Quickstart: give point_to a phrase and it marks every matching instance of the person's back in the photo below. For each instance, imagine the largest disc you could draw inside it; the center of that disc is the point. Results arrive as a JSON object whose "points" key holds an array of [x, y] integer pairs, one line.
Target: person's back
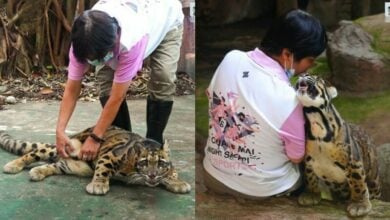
{"points": [[257, 102], [256, 132], [137, 18]]}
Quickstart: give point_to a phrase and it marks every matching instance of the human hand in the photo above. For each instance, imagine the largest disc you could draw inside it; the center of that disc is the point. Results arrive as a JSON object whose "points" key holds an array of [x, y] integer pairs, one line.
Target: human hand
{"points": [[63, 145], [89, 150]]}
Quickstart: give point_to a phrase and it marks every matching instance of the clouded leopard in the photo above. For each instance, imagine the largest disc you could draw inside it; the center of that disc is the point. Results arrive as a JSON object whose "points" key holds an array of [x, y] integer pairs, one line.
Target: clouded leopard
{"points": [[338, 154], [123, 155]]}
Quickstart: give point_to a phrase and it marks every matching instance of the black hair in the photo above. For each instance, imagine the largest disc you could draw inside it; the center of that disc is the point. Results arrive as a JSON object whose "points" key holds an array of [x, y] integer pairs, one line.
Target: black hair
{"points": [[93, 35], [299, 32]]}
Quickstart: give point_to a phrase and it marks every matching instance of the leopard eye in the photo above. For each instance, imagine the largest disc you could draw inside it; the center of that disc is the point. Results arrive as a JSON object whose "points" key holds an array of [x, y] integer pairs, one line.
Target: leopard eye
{"points": [[142, 163], [162, 163]]}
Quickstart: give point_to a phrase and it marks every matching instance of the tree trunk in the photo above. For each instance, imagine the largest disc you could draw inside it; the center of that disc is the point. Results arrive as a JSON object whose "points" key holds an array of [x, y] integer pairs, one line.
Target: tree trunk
{"points": [[35, 34]]}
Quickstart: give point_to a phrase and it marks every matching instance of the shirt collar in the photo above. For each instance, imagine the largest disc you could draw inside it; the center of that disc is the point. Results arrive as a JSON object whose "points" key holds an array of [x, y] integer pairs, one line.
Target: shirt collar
{"points": [[267, 63]]}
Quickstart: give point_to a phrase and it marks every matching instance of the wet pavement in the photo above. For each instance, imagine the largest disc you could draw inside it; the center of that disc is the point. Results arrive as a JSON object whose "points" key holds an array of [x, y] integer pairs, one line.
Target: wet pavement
{"points": [[64, 197]]}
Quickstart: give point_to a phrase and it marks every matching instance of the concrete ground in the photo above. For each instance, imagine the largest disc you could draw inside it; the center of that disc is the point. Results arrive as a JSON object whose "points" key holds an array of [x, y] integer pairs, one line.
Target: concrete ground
{"points": [[64, 197]]}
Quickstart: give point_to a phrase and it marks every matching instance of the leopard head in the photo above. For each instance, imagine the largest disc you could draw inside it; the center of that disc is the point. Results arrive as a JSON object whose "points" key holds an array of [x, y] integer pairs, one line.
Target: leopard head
{"points": [[312, 91], [153, 162]]}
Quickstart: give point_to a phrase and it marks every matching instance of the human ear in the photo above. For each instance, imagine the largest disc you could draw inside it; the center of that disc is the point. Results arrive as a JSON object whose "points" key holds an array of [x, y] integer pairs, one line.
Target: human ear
{"points": [[287, 57]]}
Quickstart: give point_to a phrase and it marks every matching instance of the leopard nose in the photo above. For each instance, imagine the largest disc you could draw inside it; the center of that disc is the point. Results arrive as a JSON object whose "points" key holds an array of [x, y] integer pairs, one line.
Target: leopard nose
{"points": [[152, 176]]}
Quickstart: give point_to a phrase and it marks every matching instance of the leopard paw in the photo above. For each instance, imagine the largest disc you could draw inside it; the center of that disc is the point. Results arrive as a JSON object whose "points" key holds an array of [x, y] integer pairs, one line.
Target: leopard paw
{"points": [[309, 199], [76, 144], [36, 174], [12, 167], [97, 188], [179, 187], [359, 208]]}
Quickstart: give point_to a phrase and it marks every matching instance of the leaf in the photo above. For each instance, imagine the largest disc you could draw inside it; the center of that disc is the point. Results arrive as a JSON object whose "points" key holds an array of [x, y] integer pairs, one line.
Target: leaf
{"points": [[46, 91]]}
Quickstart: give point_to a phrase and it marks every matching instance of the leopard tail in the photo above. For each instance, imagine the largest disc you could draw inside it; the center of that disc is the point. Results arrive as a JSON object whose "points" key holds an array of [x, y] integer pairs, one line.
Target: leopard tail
{"points": [[18, 147]]}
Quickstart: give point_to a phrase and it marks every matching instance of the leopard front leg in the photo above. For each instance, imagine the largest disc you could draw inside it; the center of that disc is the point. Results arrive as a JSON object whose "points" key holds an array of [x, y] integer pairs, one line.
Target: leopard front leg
{"points": [[360, 202], [104, 169], [42, 152], [174, 184], [312, 194]]}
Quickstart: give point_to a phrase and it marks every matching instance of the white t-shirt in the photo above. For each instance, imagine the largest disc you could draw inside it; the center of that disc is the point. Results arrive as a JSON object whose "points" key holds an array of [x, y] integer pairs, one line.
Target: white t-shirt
{"points": [[255, 122], [138, 18], [144, 24]]}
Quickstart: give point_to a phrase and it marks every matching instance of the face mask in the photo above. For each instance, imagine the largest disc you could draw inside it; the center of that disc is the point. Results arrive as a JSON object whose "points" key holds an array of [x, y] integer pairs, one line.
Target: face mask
{"points": [[289, 72], [97, 62]]}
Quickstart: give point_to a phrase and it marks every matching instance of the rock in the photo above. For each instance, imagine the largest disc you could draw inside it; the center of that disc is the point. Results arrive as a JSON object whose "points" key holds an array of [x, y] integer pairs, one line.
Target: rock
{"points": [[3, 89], [356, 66], [10, 100], [379, 29], [383, 153], [217, 12], [329, 12]]}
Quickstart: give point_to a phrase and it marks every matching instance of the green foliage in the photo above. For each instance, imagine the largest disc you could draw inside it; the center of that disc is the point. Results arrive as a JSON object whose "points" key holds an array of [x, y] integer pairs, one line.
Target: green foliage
{"points": [[356, 109], [321, 68], [201, 102]]}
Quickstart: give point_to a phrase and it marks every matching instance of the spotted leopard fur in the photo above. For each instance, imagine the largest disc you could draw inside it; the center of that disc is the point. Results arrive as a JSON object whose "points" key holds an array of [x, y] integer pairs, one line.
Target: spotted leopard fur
{"points": [[339, 156], [123, 155]]}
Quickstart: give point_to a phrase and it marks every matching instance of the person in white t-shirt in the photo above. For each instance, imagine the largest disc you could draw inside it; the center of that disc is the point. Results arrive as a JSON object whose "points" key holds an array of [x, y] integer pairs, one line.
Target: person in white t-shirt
{"points": [[256, 133], [115, 37]]}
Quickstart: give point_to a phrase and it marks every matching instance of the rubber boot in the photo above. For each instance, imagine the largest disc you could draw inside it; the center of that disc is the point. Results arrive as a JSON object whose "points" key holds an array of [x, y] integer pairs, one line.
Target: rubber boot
{"points": [[157, 115], [122, 118]]}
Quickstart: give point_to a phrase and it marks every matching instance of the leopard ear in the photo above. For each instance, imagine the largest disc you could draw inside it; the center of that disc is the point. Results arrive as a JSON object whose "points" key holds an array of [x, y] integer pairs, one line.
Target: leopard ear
{"points": [[332, 91], [137, 147], [165, 146]]}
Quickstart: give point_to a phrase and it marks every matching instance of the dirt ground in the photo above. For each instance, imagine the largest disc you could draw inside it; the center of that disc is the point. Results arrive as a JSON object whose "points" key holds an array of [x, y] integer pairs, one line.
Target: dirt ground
{"points": [[39, 86], [377, 125]]}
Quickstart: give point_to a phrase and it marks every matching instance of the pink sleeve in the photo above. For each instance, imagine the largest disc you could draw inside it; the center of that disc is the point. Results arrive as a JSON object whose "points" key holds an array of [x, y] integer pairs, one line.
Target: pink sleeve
{"points": [[293, 134], [129, 62], [76, 69]]}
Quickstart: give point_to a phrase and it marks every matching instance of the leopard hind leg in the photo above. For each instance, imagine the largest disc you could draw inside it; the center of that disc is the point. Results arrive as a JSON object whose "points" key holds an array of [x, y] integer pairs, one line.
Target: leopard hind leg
{"points": [[374, 188], [40, 152], [360, 199], [312, 193], [63, 166]]}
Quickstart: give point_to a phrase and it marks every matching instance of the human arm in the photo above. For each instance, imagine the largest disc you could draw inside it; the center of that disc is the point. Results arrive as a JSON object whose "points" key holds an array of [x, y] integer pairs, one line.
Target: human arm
{"points": [[90, 147], [76, 71], [71, 93], [129, 62], [293, 135]]}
